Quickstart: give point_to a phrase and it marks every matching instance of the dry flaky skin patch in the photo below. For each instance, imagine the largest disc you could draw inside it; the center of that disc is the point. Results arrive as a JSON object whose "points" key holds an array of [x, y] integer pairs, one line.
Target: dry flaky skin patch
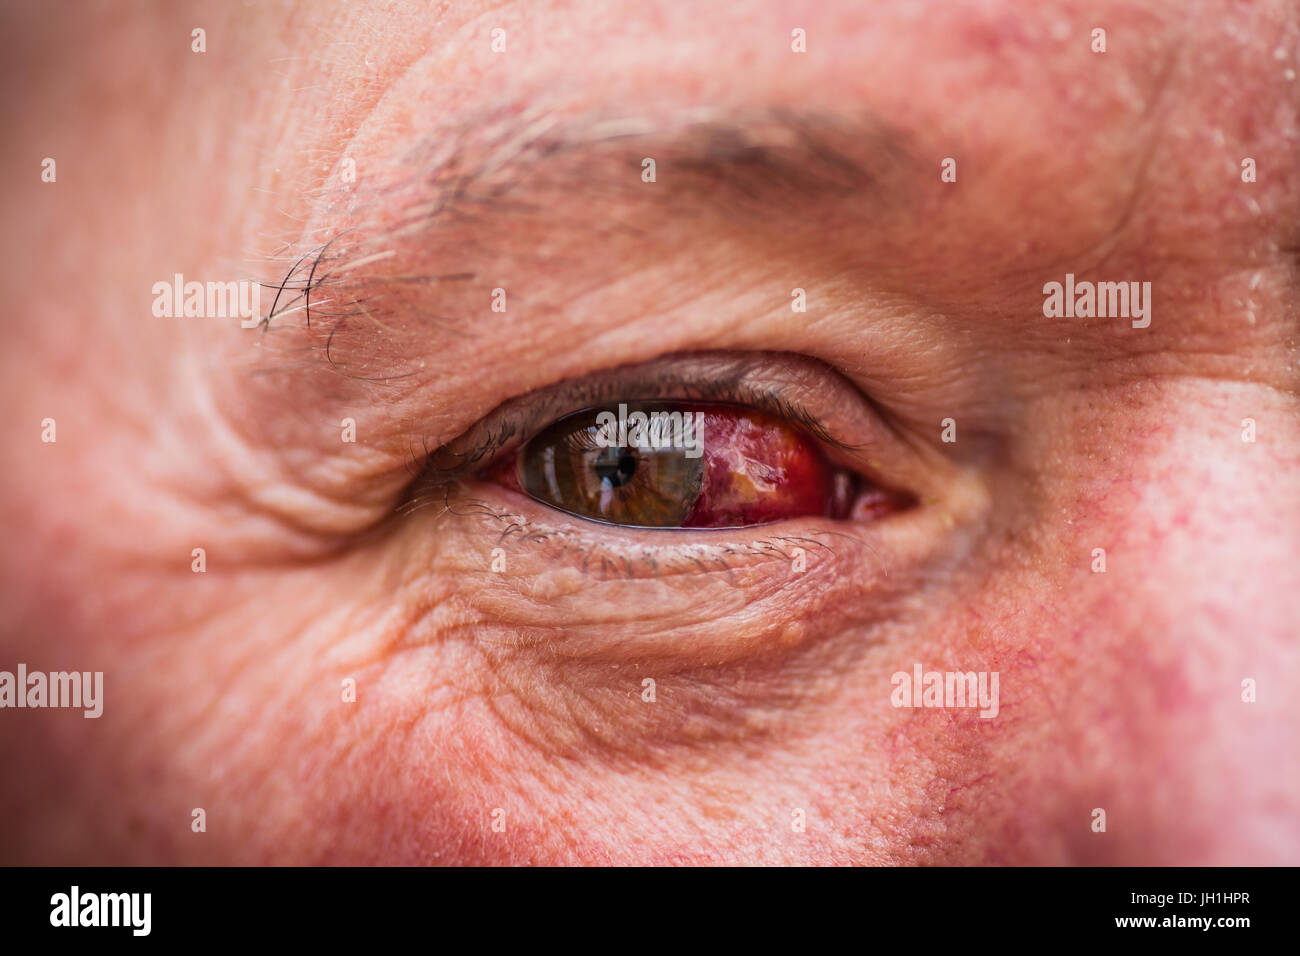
{"points": [[522, 689]]}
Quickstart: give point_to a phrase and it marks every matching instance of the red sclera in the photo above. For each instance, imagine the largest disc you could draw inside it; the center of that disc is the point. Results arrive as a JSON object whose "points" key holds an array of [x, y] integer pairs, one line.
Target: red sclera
{"points": [[757, 469]]}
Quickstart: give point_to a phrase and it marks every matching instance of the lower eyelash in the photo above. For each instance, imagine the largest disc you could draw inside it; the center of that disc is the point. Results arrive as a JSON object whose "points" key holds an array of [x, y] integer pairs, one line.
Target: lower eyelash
{"points": [[658, 560]]}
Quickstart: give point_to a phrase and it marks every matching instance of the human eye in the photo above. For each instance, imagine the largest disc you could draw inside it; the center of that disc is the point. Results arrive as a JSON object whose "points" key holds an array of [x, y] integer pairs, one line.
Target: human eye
{"points": [[715, 442], [684, 464], [542, 539]]}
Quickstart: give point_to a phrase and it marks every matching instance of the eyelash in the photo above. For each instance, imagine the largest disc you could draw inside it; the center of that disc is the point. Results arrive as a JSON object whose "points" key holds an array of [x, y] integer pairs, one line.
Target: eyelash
{"points": [[650, 558], [593, 553], [444, 485], [515, 427]]}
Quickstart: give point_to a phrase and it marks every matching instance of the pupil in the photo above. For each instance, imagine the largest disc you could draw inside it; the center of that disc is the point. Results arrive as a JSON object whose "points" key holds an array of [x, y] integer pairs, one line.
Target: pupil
{"points": [[615, 466]]}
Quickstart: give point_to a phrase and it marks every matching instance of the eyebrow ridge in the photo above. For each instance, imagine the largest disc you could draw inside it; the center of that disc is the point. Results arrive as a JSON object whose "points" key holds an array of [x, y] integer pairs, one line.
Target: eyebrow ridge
{"points": [[765, 165], [762, 162]]}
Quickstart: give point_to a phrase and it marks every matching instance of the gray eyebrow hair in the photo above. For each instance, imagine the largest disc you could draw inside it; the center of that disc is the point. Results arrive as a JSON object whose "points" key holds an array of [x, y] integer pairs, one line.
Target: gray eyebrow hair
{"points": [[755, 162], [759, 165]]}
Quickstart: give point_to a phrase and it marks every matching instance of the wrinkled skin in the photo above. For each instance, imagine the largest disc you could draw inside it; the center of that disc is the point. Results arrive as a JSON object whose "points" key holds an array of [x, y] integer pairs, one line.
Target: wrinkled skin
{"points": [[521, 690]]}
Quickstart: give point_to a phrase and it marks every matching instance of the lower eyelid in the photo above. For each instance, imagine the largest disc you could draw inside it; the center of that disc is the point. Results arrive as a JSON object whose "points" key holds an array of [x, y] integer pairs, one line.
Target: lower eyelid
{"points": [[540, 582], [582, 596]]}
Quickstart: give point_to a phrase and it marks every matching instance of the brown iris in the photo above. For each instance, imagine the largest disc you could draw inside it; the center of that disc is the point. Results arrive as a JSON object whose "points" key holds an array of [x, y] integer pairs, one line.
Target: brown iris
{"points": [[578, 466]]}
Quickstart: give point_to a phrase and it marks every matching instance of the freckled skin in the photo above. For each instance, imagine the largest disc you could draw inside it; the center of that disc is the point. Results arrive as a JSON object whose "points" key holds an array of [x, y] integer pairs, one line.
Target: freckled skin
{"points": [[521, 688]]}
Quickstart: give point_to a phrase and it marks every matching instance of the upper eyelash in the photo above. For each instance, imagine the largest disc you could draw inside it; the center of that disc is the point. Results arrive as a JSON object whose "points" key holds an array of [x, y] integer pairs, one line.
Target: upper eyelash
{"points": [[433, 474]]}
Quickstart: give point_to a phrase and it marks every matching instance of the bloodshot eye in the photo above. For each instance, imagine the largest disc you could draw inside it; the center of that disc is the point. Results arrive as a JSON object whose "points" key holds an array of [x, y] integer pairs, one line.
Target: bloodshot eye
{"points": [[665, 464]]}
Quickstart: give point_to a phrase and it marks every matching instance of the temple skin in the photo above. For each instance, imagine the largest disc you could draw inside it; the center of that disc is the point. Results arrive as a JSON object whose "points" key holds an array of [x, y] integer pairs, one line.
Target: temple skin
{"points": [[501, 716]]}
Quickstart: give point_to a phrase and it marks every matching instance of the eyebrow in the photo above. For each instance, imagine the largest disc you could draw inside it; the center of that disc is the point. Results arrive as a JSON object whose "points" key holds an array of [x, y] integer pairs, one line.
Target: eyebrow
{"points": [[758, 167], [759, 163]]}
